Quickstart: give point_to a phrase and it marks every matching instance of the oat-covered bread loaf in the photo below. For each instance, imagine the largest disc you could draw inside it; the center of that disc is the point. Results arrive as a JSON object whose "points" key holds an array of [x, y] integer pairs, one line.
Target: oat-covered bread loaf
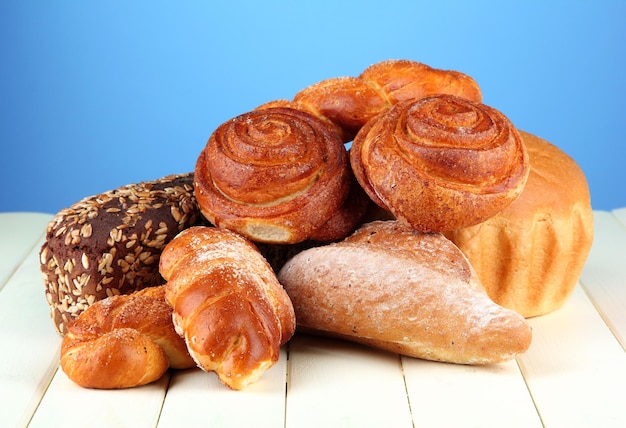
{"points": [[530, 255], [110, 243]]}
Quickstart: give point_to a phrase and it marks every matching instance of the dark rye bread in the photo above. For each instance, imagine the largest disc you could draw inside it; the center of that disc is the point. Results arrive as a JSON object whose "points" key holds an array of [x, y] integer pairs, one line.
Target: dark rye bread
{"points": [[110, 243]]}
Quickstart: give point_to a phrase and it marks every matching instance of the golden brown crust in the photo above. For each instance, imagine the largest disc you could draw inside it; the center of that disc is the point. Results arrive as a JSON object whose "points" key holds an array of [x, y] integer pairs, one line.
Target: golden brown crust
{"points": [[273, 175], [228, 304], [402, 80], [346, 218], [530, 255], [123, 341], [404, 291], [348, 103], [441, 162]]}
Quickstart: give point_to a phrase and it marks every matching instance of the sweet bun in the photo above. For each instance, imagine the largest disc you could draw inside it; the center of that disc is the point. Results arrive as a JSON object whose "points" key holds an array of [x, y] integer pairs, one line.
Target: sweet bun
{"points": [[227, 303], [123, 341], [530, 255], [347, 103], [441, 162], [274, 175]]}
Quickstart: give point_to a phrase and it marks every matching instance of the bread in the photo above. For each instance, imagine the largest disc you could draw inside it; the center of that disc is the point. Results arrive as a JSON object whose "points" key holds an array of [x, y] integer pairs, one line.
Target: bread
{"points": [[404, 291], [274, 176], [258, 175], [109, 244], [348, 102], [530, 255], [440, 163], [228, 304], [123, 341], [347, 216]]}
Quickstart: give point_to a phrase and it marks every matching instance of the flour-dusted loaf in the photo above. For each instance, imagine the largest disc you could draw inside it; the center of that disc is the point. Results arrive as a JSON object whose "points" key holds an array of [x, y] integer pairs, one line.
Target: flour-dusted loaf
{"points": [[109, 244], [403, 291]]}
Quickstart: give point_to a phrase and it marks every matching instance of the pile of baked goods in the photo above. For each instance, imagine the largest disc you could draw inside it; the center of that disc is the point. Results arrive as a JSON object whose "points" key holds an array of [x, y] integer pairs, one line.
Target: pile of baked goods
{"points": [[393, 209]]}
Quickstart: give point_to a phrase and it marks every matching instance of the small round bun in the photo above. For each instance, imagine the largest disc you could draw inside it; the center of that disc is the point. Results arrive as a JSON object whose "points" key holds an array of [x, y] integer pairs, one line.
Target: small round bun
{"points": [[530, 255]]}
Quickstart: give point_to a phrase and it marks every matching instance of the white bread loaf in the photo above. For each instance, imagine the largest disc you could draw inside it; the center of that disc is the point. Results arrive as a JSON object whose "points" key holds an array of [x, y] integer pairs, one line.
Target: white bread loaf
{"points": [[403, 291], [530, 255]]}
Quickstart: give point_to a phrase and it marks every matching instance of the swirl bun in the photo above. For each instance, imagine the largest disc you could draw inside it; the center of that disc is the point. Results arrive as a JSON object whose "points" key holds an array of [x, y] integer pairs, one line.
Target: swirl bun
{"points": [[441, 162], [273, 175]]}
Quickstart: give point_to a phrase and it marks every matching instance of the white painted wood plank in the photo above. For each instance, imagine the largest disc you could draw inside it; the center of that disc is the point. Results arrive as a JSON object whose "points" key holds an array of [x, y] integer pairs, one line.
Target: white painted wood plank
{"points": [[198, 399], [19, 232], [451, 395], [604, 274], [575, 368], [620, 213], [67, 404], [340, 384], [29, 342]]}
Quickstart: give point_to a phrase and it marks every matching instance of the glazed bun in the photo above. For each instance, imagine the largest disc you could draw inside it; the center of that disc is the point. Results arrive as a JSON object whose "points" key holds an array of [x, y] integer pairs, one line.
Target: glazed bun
{"points": [[275, 175], [530, 255], [440, 163]]}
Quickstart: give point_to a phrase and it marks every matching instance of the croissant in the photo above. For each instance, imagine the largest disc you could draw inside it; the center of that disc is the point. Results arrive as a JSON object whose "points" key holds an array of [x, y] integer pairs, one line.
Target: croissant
{"points": [[275, 176], [123, 341], [228, 304], [347, 103], [441, 162]]}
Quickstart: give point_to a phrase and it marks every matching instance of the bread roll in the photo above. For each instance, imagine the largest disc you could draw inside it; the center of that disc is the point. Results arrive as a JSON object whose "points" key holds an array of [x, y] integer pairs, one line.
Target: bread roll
{"points": [[274, 175], [530, 255], [123, 341], [402, 80], [109, 244], [404, 291], [348, 103], [440, 163], [228, 305]]}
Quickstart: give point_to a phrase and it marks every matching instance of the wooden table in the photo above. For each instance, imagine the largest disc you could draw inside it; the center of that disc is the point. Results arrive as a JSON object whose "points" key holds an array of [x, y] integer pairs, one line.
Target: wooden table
{"points": [[574, 374]]}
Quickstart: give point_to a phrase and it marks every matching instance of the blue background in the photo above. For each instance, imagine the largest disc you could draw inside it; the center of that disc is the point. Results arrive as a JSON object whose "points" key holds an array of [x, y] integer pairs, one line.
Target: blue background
{"points": [[95, 95]]}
